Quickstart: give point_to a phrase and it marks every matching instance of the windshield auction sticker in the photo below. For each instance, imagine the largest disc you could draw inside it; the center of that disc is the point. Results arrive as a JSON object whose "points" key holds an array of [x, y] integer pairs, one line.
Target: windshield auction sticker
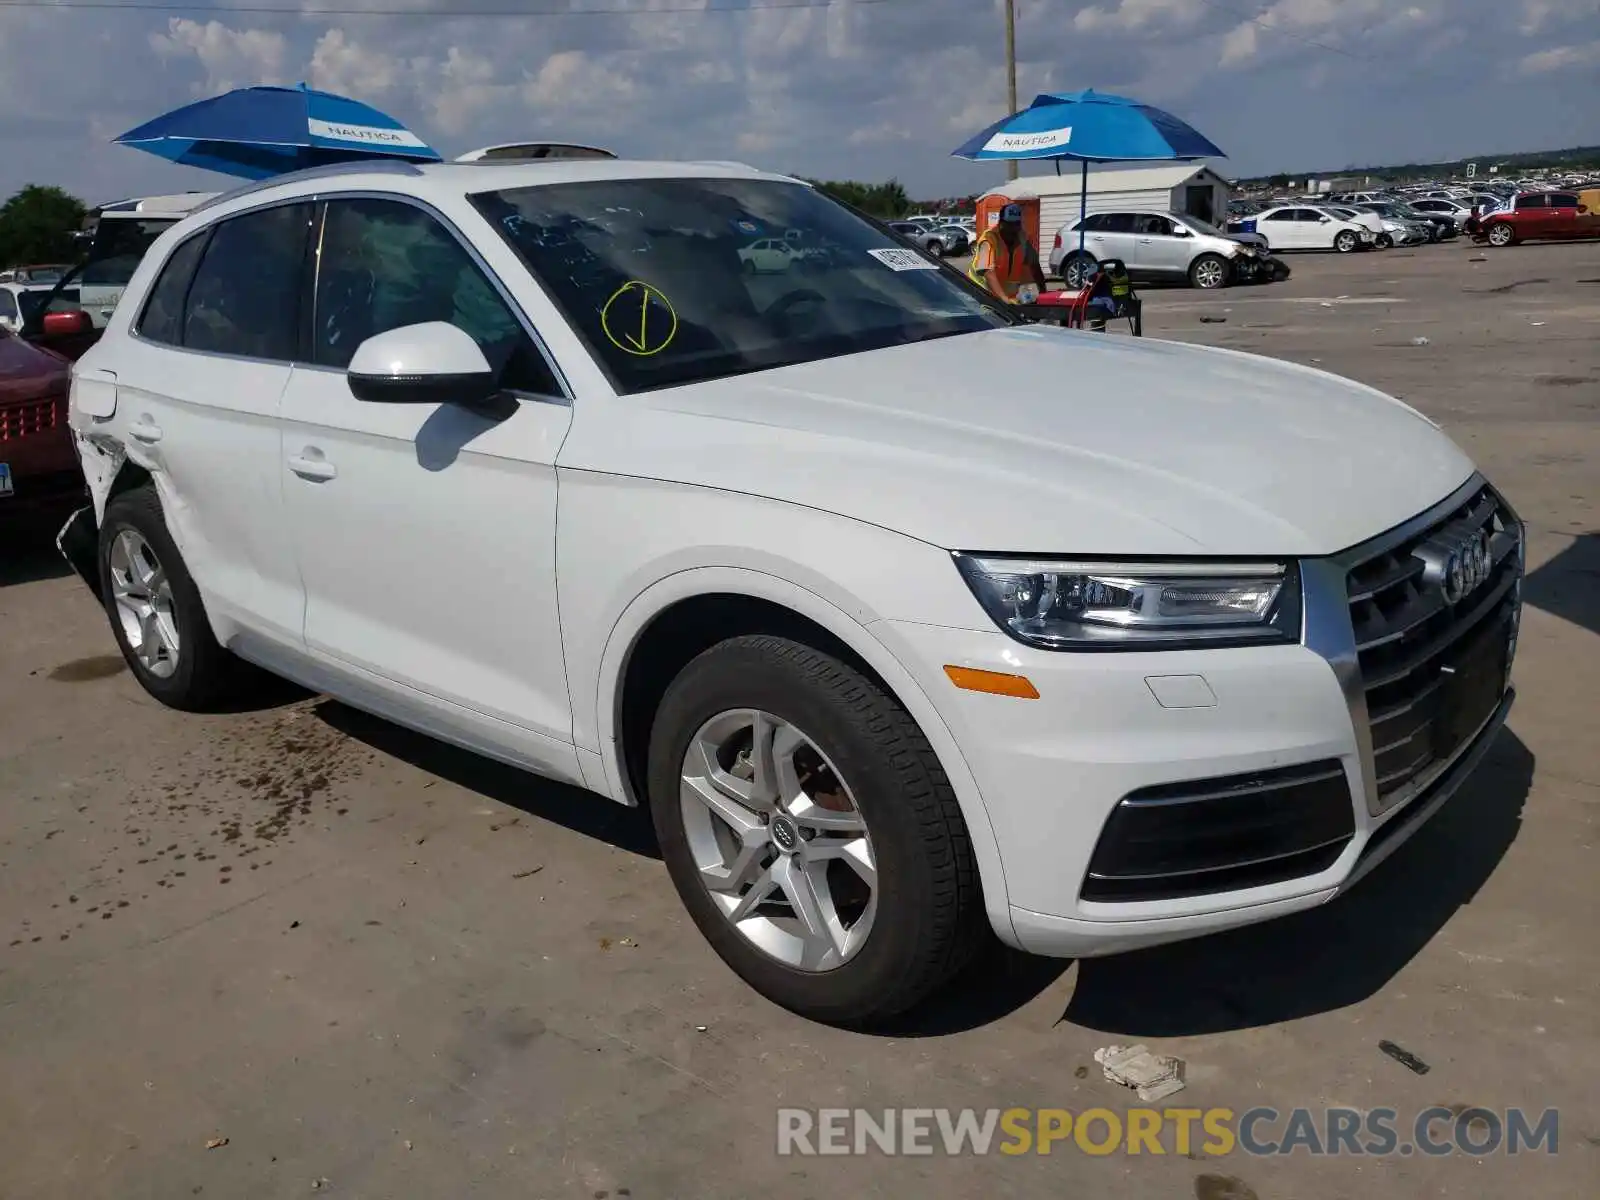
{"points": [[903, 260], [639, 319]]}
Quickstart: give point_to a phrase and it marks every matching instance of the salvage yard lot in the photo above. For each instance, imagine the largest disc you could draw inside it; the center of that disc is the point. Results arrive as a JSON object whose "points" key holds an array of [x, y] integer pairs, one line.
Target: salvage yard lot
{"points": [[380, 967]]}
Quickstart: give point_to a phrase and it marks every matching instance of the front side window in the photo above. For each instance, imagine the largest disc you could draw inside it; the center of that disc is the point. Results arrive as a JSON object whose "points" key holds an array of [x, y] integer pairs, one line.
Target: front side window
{"points": [[1563, 201], [245, 298], [1529, 202], [649, 273], [385, 264]]}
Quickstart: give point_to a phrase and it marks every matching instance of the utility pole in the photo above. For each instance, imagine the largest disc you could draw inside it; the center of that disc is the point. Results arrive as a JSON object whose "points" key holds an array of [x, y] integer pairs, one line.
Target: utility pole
{"points": [[1011, 72]]}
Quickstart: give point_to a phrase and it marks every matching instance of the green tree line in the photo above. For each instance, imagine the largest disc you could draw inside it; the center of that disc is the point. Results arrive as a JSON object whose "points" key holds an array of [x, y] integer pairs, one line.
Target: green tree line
{"points": [[37, 226], [886, 201]]}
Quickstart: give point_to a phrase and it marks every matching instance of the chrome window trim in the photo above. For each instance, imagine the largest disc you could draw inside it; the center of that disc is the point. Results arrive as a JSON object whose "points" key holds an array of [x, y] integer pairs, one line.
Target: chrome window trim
{"points": [[319, 201]]}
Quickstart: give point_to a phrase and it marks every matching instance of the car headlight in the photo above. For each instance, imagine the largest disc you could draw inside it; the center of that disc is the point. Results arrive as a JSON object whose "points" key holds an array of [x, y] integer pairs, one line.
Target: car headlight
{"points": [[1060, 604]]}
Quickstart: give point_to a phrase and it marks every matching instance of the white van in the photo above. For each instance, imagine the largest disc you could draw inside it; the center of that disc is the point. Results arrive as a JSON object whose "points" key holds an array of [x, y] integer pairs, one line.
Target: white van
{"points": [[116, 237]]}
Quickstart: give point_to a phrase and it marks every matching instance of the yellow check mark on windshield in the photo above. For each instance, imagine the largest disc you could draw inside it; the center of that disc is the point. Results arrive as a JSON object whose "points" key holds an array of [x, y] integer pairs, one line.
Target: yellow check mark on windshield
{"points": [[653, 336]]}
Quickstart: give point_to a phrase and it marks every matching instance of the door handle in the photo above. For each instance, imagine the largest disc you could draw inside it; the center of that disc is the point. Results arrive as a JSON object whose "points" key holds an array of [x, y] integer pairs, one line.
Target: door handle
{"points": [[316, 469], [146, 431]]}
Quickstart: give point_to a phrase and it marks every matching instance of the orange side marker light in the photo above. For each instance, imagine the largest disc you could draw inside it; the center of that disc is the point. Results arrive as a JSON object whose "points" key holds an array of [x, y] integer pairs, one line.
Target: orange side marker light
{"points": [[995, 683]]}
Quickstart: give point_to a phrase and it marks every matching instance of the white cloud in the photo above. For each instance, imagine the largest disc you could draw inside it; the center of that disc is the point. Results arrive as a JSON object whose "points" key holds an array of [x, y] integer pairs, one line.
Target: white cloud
{"points": [[849, 90], [1561, 58], [231, 57]]}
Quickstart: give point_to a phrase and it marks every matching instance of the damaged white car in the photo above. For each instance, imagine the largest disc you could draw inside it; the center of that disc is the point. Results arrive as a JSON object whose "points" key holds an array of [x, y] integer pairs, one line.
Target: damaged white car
{"points": [[900, 630]]}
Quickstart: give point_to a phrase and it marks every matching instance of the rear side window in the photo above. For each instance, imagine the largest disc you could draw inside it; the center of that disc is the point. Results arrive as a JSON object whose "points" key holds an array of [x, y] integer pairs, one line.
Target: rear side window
{"points": [[1092, 223], [1118, 223], [1529, 202], [245, 298], [163, 312]]}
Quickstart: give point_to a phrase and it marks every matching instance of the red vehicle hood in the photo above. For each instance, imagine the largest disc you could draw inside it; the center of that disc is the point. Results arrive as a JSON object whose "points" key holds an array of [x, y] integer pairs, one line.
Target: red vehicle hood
{"points": [[29, 373]]}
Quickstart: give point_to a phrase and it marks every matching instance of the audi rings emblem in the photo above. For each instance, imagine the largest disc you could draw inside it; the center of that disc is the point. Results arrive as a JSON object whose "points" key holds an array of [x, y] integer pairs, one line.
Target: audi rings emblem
{"points": [[1460, 566]]}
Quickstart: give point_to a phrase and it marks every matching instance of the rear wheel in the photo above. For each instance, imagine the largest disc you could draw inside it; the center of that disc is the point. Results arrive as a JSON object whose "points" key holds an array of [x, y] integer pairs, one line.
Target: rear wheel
{"points": [[1345, 241], [1075, 272], [811, 832], [155, 608], [1209, 271], [1501, 234]]}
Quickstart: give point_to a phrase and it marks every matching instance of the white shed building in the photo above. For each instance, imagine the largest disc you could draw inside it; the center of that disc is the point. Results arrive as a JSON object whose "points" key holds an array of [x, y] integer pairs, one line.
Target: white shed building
{"points": [[1192, 188]]}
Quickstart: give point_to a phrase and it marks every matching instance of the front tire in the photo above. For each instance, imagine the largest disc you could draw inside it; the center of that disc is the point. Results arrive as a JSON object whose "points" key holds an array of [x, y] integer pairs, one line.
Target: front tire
{"points": [[1501, 234], [1209, 272], [1385, 242], [156, 612], [811, 832], [1345, 241]]}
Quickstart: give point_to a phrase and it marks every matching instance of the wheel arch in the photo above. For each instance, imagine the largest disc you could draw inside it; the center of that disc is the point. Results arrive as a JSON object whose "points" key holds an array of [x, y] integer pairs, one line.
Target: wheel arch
{"points": [[678, 617]]}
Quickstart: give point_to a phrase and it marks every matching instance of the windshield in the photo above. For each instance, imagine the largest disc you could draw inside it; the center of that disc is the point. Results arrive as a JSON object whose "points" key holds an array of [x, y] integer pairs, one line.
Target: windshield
{"points": [[65, 300], [1205, 227], [672, 281], [116, 248]]}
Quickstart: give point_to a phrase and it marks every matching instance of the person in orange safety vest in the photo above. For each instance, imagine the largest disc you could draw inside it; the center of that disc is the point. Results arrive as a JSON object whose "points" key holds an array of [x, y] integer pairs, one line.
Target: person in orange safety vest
{"points": [[1004, 259]]}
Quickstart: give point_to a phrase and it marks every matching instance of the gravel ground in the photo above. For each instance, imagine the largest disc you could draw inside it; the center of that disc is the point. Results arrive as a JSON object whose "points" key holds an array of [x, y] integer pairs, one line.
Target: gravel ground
{"points": [[380, 967]]}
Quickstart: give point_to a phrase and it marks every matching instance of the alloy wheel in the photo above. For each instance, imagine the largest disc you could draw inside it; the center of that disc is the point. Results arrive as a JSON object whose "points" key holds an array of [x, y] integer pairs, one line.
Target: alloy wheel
{"points": [[777, 838], [143, 596], [1208, 274]]}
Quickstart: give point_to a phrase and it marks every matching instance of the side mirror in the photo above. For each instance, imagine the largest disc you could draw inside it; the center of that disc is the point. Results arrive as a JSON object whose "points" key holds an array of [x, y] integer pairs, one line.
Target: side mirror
{"points": [[431, 363], [65, 324], [1324, 220]]}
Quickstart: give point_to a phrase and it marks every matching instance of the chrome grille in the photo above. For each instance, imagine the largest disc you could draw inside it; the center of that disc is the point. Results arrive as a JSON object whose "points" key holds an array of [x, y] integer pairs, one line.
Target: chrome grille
{"points": [[36, 416], [1433, 670]]}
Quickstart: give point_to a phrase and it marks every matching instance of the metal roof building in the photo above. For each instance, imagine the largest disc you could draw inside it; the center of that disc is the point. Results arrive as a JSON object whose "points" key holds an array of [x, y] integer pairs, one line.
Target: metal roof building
{"points": [[1186, 187]]}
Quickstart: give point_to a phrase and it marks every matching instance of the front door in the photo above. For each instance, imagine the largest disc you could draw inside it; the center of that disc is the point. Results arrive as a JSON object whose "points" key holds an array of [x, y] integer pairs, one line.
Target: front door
{"points": [[196, 401], [1161, 251], [1562, 216], [426, 532]]}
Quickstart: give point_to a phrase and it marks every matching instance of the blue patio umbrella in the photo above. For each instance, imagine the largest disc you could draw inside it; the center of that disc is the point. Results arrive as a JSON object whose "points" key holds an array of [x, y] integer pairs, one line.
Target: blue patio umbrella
{"points": [[1089, 126], [258, 132]]}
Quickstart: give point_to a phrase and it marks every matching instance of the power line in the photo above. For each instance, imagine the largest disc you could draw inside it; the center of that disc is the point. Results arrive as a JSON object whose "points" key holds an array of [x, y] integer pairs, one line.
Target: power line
{"points": [[339, 11]]}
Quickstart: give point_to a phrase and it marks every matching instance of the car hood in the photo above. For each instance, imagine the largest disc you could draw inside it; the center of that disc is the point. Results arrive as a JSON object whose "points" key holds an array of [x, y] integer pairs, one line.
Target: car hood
{"points": [[29, 373], [1038, 439]]}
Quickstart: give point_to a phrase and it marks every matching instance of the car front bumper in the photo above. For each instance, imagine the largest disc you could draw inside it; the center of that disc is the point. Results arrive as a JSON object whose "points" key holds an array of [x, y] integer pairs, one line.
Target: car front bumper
{"points": [[1270, 745]]}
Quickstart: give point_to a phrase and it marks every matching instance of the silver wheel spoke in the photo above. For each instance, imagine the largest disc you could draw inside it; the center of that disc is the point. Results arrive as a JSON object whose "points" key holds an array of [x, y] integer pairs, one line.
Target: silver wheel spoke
{"points": [[759, 892], [856, 853], [811, 815], [815, 930], [707, 790]]}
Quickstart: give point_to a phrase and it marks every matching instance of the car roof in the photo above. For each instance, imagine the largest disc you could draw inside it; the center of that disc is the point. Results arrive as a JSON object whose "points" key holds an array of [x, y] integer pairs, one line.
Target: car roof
{"points": [[452, 180]]}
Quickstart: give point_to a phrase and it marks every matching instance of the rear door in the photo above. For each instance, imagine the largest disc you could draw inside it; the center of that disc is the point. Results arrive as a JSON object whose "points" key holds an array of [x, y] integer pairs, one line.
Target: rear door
{"points": [[1115, 238], [1281, 229], [1561, 216], [198, 384]]}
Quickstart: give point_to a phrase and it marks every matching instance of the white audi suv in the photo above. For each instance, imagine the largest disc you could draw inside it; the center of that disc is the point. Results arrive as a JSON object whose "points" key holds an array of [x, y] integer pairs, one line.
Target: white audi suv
{"points": [[903, 632]]}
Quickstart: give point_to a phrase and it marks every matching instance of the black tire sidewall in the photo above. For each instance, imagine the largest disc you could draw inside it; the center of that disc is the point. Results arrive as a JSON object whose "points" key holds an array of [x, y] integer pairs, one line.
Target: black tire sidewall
{"points": [[735, 675]]}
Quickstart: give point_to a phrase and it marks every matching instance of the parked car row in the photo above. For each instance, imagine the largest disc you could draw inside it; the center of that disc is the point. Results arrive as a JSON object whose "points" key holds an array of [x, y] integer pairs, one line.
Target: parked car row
{"points": [[943, 240]]}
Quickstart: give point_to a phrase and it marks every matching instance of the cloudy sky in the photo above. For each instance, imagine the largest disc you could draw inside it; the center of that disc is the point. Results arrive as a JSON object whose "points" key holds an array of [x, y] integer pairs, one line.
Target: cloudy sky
{"points": [[845, 89]]}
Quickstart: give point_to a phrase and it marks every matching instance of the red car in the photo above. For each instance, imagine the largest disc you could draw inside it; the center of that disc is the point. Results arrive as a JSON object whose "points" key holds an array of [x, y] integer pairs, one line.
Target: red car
{"points": [[1539, 216], [38, 463]]}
